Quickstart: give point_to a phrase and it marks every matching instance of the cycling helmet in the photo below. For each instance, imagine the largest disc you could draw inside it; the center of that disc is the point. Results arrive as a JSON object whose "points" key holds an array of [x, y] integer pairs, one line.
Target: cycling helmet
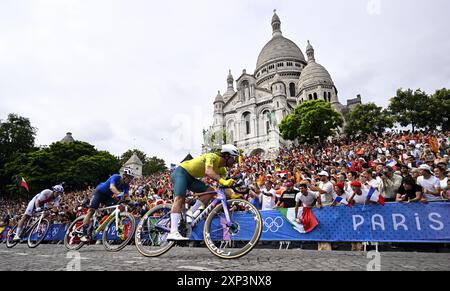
{"points": [[230, 149], [58, 189], [129, 172]]}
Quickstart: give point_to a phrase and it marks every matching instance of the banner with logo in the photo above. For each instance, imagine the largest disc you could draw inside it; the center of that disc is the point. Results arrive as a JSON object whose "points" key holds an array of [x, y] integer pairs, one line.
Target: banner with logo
{"points": [[394, 222]]}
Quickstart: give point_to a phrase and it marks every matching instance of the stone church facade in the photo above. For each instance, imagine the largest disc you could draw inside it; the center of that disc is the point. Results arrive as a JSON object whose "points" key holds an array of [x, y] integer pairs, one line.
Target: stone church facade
{"points": [[253, 105]]}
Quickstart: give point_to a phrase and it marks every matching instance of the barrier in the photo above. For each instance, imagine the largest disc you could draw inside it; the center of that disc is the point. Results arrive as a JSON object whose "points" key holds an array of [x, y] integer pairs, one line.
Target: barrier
{"points": [[414, 222], [394, 222]]}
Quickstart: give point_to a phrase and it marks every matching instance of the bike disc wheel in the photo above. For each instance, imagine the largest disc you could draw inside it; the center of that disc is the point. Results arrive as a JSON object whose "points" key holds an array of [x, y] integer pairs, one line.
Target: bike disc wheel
{"points": [[152, 231], [72, 236], [38, 233], [114, 239], [236, 240]]}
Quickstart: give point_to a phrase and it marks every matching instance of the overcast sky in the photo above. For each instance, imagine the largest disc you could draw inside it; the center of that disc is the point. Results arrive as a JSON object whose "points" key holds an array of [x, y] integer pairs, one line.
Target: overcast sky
{"points": [[143, 74]]}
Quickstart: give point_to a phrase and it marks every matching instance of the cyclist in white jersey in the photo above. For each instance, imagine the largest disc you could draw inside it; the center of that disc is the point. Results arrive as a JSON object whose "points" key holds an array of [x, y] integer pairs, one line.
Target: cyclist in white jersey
{"points": [[37, 203]]}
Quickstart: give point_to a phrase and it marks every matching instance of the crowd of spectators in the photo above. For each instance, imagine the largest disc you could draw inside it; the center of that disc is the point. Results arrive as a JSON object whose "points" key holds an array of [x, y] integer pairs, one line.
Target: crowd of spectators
{"points": [[403, 167]]}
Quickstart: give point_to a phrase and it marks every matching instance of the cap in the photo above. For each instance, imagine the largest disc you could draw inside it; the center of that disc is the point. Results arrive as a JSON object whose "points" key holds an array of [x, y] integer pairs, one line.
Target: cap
{"points": [[355, 184], [323, 173]]}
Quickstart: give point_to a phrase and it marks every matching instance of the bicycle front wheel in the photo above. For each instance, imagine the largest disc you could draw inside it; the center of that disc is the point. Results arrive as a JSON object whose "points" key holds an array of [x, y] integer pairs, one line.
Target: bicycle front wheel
{"points": [[236, 238], [38, 233], [114, 239], [73, 234], [152, 231]]}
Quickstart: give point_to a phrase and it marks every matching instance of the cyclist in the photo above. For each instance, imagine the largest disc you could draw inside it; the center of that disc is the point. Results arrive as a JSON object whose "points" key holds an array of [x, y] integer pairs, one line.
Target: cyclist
{"points": [[37, 203], [187, 175], [107, 193]]}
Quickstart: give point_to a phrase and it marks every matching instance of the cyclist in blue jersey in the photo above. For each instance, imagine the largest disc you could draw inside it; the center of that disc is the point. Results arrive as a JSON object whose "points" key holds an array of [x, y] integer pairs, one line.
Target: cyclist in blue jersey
{"points": [[107, 194]]}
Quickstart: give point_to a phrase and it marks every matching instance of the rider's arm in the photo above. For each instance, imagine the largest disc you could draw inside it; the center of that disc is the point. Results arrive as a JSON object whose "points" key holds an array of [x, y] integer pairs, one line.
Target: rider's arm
{"points": [[37, 203], [113, 189], [209, 172]]}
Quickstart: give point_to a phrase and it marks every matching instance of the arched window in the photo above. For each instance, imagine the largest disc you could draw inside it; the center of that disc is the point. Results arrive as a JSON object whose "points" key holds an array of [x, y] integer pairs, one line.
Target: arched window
{"points": [[247, 123], [315, 96], [310, 97], [292, 89], [325, 96], [329, 97]]}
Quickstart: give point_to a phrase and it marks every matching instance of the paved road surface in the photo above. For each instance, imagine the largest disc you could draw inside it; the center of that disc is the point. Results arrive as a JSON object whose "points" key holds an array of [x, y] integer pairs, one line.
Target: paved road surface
{"points": [[56, 257]]}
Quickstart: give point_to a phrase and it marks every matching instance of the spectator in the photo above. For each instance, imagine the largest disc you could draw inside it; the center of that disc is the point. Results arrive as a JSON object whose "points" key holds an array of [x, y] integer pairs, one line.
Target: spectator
{"points": [[287, 199], [267, 196], [429, 183], [439, 172], [409, 191], [325, 188], [340, 192], [390, 183]]}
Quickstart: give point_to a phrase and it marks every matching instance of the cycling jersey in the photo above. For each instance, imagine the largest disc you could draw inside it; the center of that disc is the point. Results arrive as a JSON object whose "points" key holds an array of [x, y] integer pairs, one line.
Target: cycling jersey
{"points": [[42, 199], [103, 188], [197, 167]]}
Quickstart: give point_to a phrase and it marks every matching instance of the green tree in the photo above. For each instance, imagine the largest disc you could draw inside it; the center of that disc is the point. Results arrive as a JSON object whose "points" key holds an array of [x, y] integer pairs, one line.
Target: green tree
{"points": [[78, 164], [309, 120], [368, 118], [411, 108], [16, 136], [440, 109], [153, 165]]}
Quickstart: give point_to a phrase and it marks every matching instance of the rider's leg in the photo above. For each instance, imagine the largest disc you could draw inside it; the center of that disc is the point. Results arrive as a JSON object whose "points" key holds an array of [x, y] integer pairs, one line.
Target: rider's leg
{"points": [[175, 214], [28, 213], [95, 203], [22, 222], [180, 180], [203, 200]]}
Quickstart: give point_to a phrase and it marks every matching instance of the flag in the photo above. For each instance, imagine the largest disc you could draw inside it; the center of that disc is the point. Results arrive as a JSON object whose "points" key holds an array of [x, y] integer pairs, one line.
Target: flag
{"points": [[307, 218], [375, 196], [391, 163], [344, 201], [22, 183], [349, 164], [434, 144]]}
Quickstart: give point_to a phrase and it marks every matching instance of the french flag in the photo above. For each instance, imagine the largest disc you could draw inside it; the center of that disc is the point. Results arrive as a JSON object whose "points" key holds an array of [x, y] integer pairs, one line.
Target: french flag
{"points": [[391, 163], [349, 164], [342, 201], [375, 196]]}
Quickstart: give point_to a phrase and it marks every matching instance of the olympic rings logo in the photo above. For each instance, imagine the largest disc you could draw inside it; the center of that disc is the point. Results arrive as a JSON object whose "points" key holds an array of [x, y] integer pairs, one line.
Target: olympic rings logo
{"points": [[272, 224]]}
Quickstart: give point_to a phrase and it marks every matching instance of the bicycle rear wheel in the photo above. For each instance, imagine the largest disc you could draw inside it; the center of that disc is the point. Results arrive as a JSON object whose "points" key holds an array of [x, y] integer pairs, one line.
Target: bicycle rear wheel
{"points": [[114, 239], [152, 231], [73, 234], [239, 238], [38, 233], [9, 237]]}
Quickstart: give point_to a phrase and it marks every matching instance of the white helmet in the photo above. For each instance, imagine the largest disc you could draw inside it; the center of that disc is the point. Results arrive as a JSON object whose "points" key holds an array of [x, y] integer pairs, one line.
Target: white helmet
{"points": [[128, 172], [230, 149], [58, 188]]}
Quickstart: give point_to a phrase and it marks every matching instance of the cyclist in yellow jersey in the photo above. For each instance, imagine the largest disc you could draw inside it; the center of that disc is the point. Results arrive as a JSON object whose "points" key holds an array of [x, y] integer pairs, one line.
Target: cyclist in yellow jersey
{"points": [[187, 175]]}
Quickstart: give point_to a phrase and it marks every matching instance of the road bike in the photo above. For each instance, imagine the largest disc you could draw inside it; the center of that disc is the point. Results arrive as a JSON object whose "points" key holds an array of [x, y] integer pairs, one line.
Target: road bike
{"points": [[35, 230], [117, 229], [231, 227]]}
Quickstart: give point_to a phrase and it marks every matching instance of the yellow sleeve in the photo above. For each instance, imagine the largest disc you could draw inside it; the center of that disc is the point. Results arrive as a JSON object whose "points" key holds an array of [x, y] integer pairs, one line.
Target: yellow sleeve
{"points": [[209, 161]]}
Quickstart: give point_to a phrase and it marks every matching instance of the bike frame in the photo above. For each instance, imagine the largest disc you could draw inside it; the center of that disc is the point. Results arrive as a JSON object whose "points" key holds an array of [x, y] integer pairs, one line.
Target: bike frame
{"points": [[221, 198], [115, 214], [28, 229]]}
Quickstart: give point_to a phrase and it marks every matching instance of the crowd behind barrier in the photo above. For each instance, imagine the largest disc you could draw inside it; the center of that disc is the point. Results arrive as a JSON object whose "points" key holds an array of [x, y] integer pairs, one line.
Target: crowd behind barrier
{"points": [[403, 167]]}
